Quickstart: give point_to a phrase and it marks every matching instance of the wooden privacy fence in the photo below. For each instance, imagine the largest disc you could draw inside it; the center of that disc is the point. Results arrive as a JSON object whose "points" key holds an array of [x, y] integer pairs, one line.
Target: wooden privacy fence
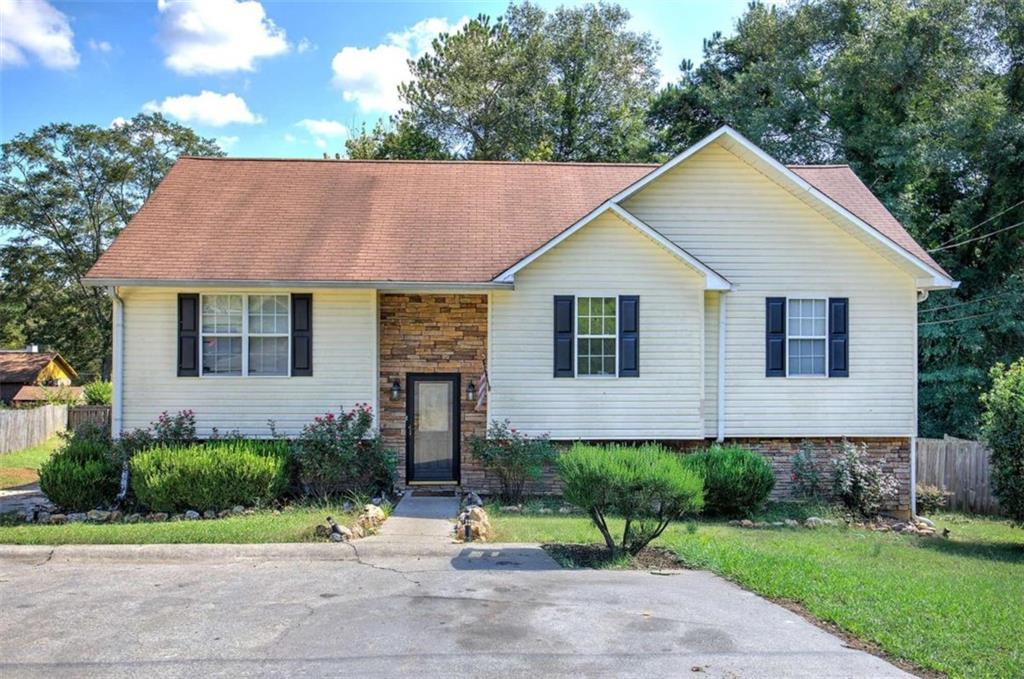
{"points": [[960, 467], [79, 415], [22, 428]]}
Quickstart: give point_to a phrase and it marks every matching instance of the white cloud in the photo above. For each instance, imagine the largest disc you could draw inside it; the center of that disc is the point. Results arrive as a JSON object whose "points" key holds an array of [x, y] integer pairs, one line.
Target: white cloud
{"points": [[118, 122], [207, 107], [289, 137], [323, 128], [305, 45], [35, 27], [226, 142], [320, 143], [100, 45], [217, 36], [370, 76]]}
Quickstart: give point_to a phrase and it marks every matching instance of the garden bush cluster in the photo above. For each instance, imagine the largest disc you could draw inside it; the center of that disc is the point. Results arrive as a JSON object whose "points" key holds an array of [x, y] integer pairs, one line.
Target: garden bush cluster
{"points": [[515, 458], [168, 469], [737, 481]]}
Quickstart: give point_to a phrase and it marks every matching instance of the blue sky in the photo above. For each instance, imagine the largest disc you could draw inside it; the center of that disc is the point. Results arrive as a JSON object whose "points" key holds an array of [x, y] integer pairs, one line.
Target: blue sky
{"points": [[266, 79]]}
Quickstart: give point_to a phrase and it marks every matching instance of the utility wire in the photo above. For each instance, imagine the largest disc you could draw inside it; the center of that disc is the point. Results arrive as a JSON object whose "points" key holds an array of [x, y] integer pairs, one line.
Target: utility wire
{"points": [[983, 223], [967, 302], [962, 318], [971, 240]]}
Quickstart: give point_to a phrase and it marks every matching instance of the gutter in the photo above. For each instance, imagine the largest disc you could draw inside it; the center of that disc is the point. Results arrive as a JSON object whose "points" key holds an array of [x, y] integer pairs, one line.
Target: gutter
{"points": [[187, 283], [117, 367], [721, 365]]}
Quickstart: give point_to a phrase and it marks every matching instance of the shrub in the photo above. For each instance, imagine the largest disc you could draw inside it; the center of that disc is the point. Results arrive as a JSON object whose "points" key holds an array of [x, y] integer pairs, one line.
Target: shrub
{"points": [[82, 474], [175, 429], [337, 455], [60, 395], [930, 499], [647, 486], [1002, 429], [806, 477], [512, 456], [737, 481], [212, 476], [98, 393], [861, 485]]}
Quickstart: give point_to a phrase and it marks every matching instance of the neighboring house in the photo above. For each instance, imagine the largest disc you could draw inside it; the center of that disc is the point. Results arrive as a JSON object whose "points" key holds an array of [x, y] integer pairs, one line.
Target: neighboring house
{"points": [[721, 295], [33, 395], [31, 368]]}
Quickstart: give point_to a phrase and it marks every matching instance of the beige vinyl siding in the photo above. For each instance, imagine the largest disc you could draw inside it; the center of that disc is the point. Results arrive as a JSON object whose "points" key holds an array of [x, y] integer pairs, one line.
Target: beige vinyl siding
{"points": [[344, 350], [769, 243], [607, 257]]}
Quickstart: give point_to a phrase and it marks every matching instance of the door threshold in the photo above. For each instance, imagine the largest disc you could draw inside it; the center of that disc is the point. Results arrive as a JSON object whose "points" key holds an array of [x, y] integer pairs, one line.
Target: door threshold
{"points": [[433, 483]]}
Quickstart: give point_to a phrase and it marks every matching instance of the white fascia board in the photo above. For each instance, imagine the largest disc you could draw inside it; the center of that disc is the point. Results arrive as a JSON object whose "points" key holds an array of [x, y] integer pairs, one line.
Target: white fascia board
{"points": [[712, 279], [417, 286], [938, 279]]}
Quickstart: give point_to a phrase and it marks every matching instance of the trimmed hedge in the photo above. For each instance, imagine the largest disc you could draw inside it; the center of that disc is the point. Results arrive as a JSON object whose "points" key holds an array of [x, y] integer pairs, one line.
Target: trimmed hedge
{"points": [[737, 481], [83, 474], [217, 475], [648, 486]]}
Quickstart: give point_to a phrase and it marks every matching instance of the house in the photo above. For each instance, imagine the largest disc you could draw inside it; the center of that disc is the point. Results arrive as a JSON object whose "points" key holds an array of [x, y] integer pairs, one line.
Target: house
{"points": [[720, 295], [21, 368], [32, 395]]}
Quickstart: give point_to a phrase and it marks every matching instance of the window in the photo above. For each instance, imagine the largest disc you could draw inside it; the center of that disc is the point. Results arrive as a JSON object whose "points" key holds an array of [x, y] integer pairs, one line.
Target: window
{"points": [[806, 333], [252, 326], [595, 336]]}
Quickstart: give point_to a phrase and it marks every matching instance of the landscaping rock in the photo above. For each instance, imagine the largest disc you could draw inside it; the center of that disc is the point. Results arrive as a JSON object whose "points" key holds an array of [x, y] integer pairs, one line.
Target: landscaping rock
{"points": [[472, 499], [343, 531], [544, 510], [191, 515], [347, 506], [116, 516], [927, 522], [97, 516], [237, 509], [791, 523], [224, 513], [321, 531], [377, 501], [512, 509], [43, 517], [337, 537], [357, 532], [76, 517], [565, 510], [157, 516], [58, 519], [778, 524], [746, 523], [814, 522], [899, 527], [209, 514], [133, 518]]}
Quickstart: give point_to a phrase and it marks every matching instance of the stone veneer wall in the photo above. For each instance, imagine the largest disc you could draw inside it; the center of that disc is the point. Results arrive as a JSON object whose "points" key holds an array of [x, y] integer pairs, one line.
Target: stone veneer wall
{"points": [[432, 334], [894, 451]]}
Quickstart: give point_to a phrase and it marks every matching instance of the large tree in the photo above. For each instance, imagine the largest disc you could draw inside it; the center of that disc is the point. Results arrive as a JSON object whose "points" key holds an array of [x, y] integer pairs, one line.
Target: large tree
{"points": [[924, 100], [570, 85], [65, 192]]}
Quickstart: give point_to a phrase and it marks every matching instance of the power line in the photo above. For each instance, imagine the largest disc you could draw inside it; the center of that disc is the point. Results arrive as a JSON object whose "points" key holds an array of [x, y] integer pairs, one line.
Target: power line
{"points": [[967, 302], [983, 223], [971, 240], [962, 318]]}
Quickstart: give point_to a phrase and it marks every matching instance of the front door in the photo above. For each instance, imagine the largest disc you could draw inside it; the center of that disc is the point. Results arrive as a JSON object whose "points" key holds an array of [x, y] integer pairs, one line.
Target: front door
{"points": [[432, 427]]}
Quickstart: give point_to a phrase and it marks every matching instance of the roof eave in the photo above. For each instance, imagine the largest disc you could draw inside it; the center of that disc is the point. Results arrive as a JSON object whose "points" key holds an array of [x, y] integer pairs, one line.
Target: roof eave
{"points": [[108, 281]]}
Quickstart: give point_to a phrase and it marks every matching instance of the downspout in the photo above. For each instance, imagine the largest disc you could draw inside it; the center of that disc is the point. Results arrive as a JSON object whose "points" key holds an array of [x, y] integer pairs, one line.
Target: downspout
{"points": [[117, 377], [721, 366], [922, 295]]}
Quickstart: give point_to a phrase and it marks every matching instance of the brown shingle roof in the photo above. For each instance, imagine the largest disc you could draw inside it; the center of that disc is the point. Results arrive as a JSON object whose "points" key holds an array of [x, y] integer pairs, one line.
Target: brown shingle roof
{"points": [[425, 221], [22, 366], [33, 393]]}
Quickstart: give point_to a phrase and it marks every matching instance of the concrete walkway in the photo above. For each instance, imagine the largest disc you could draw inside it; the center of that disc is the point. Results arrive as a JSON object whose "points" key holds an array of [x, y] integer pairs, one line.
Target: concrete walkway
{"points": [[22, 498]]}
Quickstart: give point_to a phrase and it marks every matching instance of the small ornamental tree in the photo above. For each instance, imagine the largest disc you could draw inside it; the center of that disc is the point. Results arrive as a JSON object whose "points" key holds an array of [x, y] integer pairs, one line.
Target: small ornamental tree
{"points": [[1002, 429], [512, 456], [861, 484], [647, 486]]}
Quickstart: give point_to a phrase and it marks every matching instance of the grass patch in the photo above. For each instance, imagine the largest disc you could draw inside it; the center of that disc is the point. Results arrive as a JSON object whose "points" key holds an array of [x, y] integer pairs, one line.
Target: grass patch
{"points": [[292, 524], [21, 467], [951, 606]]}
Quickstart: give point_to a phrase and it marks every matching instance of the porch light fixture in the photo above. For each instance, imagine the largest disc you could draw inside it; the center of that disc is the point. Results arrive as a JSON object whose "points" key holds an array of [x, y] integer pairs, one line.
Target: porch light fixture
{"points": [[396, 390], [471, 391]]}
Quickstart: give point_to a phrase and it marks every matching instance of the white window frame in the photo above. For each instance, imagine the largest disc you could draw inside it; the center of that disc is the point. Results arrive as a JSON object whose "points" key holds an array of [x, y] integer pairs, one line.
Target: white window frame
{"points": [[812, 298], [245, 334], [576, 335]]}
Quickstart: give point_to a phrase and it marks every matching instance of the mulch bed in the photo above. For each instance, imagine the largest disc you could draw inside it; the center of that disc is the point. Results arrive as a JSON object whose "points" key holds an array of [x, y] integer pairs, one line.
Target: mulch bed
{"points": [[597, 556]]}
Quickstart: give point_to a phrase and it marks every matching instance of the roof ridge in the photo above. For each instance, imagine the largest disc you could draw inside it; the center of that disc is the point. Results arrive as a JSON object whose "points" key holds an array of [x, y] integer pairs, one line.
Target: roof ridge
{"points": [[517, 163], [818, 166]]}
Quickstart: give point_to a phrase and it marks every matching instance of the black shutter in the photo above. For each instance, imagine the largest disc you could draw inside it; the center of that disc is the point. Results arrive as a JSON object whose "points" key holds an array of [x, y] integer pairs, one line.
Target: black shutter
{"points": [[188, 335], [564, 335], [775, 337], [302, 335], [629, 336], [838, 337]]}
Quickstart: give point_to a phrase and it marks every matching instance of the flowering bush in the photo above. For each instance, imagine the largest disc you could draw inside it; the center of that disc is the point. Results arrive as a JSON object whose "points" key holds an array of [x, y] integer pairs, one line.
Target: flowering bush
{"points": [[341, 454], [171, 429], [860, 484], [512, 456], [806, 477]]}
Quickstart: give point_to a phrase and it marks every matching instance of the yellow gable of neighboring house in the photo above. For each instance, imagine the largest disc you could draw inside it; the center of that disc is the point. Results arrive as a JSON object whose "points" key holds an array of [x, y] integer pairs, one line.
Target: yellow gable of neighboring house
{"points": [[57, 371]]}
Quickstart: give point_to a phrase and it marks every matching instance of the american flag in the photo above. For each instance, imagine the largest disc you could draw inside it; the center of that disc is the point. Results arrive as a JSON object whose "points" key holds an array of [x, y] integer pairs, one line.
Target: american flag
{"points": [[483, 386]]}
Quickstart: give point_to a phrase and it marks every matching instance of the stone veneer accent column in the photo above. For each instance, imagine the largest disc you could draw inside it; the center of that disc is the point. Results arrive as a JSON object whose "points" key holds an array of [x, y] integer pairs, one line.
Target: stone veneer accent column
{"points": [[432, 334]]}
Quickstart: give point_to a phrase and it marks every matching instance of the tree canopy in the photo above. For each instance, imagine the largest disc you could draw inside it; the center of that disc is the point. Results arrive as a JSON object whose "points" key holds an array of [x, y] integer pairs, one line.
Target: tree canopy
{"points": [[65, 192]]}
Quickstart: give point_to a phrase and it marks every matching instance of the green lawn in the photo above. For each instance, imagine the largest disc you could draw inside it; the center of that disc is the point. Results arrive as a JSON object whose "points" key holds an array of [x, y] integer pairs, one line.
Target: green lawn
{"points": [[19, 468], [293, 524], [953, 606]]}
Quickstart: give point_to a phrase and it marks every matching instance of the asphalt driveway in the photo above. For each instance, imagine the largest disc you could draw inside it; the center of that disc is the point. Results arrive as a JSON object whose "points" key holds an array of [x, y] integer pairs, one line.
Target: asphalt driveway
{"points": [[324, 610]]}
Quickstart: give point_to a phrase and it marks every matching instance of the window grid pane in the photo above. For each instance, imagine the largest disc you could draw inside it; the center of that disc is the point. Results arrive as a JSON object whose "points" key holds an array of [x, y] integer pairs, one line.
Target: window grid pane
{"points": [[268, 314], [268, 355], [222, 355], [222, 314], [807, 334], [596, 339]]}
